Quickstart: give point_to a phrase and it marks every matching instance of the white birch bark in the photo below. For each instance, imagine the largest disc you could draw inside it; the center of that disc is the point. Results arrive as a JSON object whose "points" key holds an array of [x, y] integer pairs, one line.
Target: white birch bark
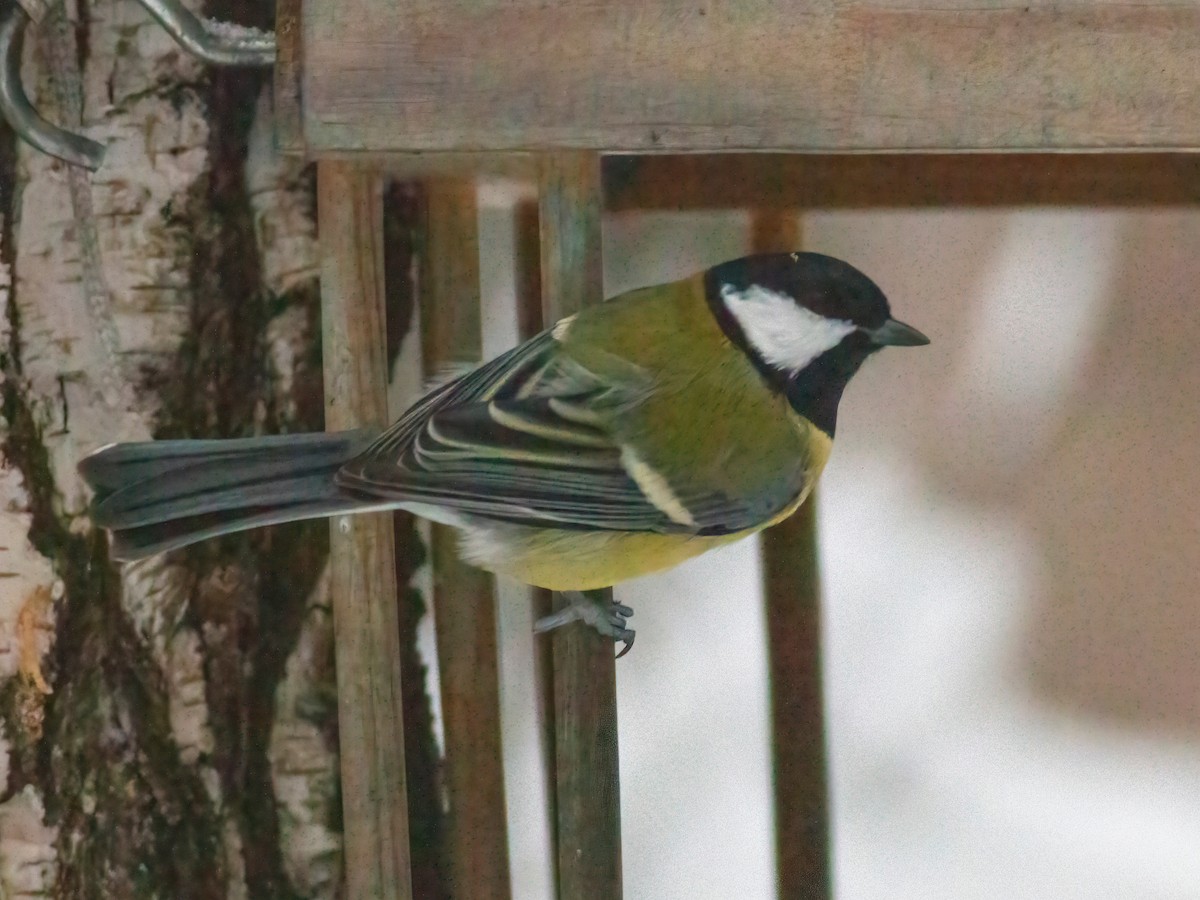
{"points": [[137, 757]]}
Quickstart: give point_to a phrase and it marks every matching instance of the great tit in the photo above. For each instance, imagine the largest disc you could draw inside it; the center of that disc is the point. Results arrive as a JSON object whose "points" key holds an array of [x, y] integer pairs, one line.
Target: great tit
{"points": [[623, 440]]}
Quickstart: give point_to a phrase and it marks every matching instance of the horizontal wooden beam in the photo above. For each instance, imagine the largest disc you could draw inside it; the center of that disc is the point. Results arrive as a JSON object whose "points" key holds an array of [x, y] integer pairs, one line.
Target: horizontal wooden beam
{"points": [[722, 75], [839, 181]]}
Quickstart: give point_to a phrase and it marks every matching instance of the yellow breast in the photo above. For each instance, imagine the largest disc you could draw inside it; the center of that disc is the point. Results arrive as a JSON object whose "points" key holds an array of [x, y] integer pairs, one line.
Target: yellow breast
{"points": [[584, 560], [581, 560]]}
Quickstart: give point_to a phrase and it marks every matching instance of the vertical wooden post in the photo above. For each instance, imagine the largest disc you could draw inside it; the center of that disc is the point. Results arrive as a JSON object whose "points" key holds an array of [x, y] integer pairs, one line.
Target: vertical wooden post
{"points": [[792, 591], [587, 790], [464, 597], [530, 321], [362, 553], [289, 68]]}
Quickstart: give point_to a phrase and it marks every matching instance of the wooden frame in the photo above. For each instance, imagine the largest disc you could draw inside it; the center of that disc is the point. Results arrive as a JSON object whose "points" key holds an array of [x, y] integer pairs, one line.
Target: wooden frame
{"points": [[654, 76], [464, 598], [587, 800], [792, 596], [386, 86], [361, 550]]}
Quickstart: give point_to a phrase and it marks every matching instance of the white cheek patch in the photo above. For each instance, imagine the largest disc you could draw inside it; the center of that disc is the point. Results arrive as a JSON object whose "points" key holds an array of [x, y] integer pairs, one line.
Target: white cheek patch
{"points": [[785, 334]]}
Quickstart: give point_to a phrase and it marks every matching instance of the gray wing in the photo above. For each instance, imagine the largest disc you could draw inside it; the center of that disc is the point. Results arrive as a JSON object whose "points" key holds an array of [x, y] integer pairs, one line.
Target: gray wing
{"points": [[524, 439]]}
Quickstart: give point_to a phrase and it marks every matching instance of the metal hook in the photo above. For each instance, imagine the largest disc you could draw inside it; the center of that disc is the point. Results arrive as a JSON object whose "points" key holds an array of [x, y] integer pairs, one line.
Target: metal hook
{"points": [[24, 119], [213, 42]]}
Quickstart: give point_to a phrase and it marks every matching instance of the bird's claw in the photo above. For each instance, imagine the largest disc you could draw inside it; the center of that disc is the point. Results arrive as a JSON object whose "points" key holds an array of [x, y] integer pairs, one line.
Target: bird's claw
{"points": [[608, 618]]}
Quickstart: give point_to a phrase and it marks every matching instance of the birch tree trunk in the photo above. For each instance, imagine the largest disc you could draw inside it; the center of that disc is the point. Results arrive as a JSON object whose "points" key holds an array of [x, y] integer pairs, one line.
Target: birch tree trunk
{"points": [[169, 730]]}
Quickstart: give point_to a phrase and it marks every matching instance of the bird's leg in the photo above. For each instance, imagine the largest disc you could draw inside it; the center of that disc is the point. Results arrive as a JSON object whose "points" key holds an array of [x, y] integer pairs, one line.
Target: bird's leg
{"points": [[606, 616]]}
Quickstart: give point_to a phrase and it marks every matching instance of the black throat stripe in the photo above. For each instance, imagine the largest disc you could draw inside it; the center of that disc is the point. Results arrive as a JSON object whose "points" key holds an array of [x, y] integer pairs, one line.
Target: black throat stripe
{"points": [[813, 392]]}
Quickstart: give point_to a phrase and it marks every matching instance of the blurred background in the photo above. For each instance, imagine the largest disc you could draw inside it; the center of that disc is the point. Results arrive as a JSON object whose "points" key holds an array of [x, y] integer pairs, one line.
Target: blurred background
{"points": [[1009, 525], [1010, 540]]}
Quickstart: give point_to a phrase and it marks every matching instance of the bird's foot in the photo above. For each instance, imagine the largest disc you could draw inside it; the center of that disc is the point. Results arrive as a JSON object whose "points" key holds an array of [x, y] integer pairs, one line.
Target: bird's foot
{"points": [[606, 616]]}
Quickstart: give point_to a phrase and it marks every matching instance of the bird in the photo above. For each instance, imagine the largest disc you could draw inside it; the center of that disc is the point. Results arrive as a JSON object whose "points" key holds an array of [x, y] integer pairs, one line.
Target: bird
{"points": [[623, 440]]}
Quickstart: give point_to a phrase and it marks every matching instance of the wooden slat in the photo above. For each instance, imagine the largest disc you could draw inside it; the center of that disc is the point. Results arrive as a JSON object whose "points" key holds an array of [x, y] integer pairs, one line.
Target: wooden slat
{"points": [[451, 325], [527, 254], [822, 181], [668, 75], [852, 181], [289, 66], [464, 598], [792, 592], [802, 817], [403, 225], [450, 164], [362, 553], [587, 790]]}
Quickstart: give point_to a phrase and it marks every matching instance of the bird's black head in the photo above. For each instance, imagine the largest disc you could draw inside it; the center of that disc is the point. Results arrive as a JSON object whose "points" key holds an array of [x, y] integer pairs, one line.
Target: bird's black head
{"points": [[806, 321]]}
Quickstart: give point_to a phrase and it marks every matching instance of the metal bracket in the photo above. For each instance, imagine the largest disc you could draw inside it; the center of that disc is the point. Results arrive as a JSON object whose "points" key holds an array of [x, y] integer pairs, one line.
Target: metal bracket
{"points": [[19, 112], [216, 43]]}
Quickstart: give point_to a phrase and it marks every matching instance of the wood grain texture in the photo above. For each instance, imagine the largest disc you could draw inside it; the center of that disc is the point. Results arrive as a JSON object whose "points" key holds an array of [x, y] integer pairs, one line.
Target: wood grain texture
{"points": [[527, 253], [464, 598], [850, 180], [289, 67], [792, 592], [802, 817], [451, 327], [587, 795], [825, 181], [669, 75], [362, 552], [442, 163]]}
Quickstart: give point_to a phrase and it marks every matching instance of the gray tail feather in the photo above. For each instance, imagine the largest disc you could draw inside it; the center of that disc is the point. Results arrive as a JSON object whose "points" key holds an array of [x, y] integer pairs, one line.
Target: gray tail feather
{"points": [[158, 495]]}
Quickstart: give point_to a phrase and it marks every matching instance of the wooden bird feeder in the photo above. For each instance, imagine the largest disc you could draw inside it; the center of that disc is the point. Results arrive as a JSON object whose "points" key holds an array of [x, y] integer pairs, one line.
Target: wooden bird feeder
{"points": [[447, 89]]}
